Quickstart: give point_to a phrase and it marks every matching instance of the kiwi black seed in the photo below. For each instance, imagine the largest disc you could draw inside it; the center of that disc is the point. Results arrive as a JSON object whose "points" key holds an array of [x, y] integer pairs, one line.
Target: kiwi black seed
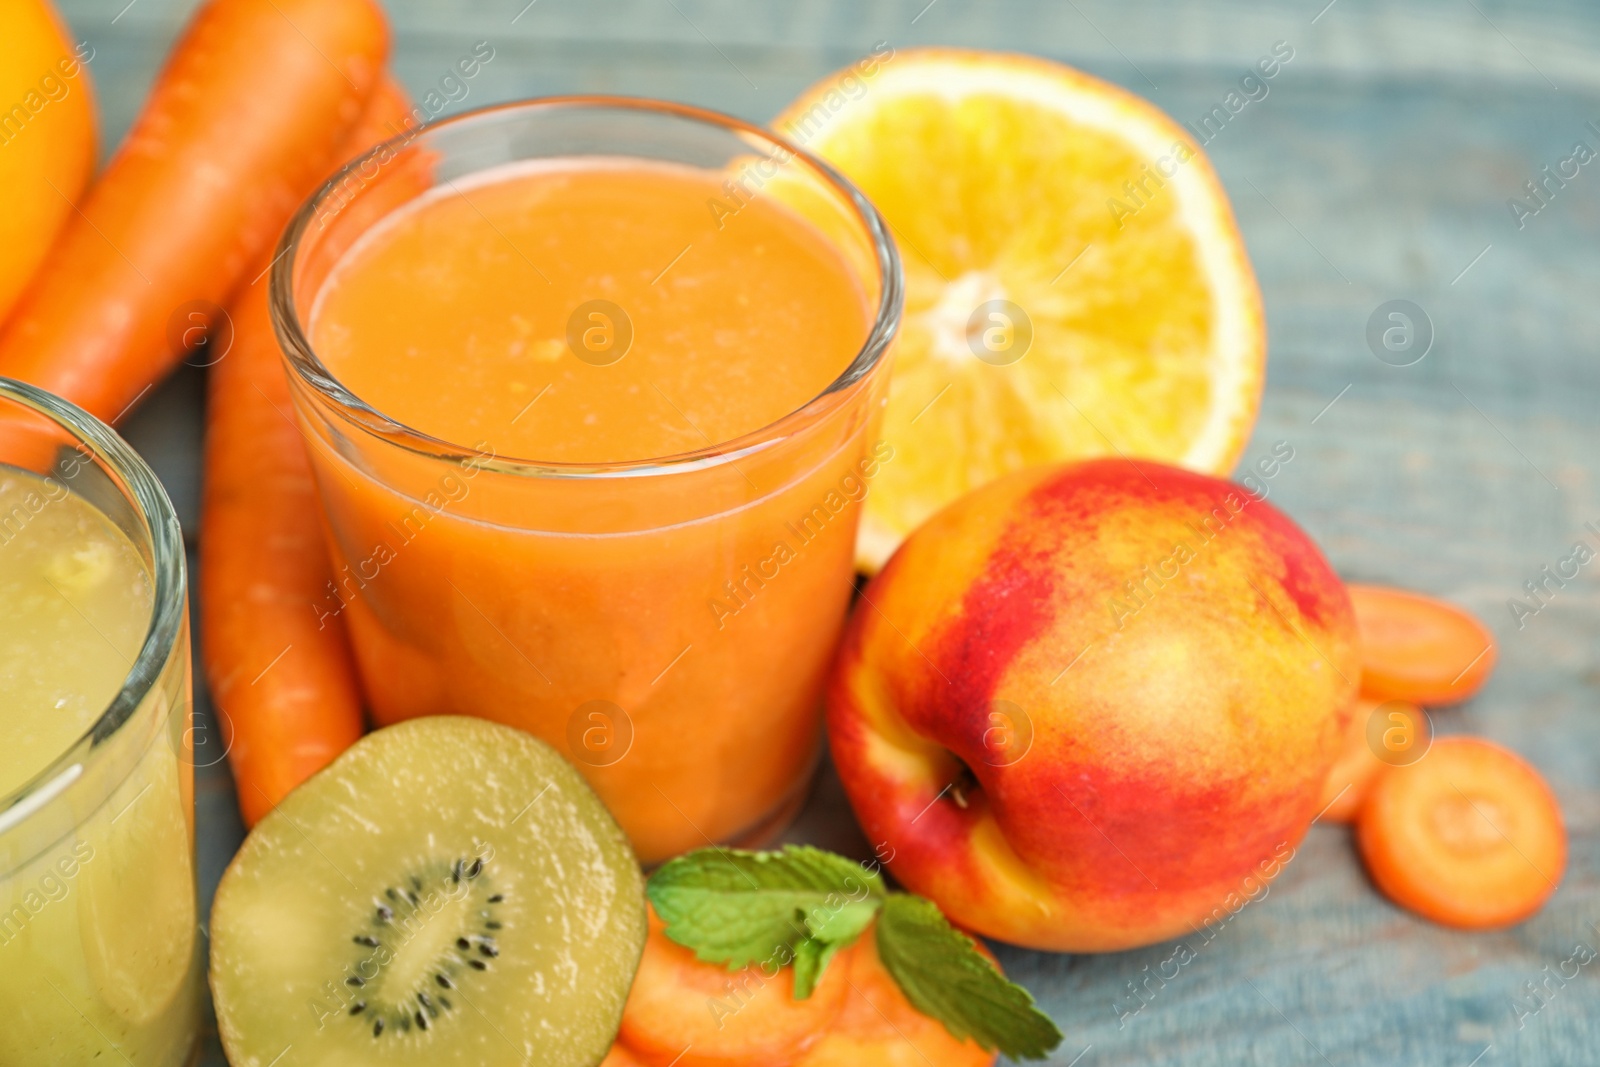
{"points": [[448, 891], [395, 1008]]}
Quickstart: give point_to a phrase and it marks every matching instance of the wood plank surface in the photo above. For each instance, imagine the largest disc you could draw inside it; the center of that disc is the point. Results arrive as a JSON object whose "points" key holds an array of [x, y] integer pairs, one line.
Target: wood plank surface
{"points": [[1377, 168]]}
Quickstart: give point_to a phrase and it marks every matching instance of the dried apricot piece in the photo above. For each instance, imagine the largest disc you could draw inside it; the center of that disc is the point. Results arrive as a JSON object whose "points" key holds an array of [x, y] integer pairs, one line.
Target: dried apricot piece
{"points": [[689, 1013], [879, 1026]]}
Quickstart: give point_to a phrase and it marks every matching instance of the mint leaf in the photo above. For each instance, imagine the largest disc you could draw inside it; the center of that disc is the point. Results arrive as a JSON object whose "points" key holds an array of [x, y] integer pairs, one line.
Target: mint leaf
{"points": [[811, 958], [943, 975], [737, 908], [844, 923]]}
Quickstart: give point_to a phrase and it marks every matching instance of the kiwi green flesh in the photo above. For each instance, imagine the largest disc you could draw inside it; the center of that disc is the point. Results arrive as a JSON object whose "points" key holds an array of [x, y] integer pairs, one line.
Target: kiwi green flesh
{"points": [[448, 891]]}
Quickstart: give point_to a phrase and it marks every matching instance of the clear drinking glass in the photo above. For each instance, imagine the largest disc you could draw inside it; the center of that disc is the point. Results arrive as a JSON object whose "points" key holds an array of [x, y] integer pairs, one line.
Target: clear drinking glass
{"points": [[640, 616], [99, 946]]}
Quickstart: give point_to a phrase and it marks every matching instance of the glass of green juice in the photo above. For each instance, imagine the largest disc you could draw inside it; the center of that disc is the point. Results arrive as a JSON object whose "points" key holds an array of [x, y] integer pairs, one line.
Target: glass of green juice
{"points": [[99, 936]]}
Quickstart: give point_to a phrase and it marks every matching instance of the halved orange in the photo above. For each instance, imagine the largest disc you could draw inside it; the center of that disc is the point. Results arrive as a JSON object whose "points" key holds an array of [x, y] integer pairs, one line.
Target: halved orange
{"points": [[1075, 283]]}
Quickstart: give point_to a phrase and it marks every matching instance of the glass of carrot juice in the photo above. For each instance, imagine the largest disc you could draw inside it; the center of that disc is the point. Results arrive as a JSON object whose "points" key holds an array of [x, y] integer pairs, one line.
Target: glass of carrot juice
{"points": [[591, 390], [99, 954]]}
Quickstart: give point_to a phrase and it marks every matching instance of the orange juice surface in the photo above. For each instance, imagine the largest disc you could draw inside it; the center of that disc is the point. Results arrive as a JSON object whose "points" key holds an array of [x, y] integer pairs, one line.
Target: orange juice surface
{"points": [[669, 630], [454, 315]]}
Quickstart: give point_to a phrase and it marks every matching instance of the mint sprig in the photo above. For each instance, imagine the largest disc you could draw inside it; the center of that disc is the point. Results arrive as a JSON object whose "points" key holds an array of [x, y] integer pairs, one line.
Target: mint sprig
{"points": [[799, 906]]}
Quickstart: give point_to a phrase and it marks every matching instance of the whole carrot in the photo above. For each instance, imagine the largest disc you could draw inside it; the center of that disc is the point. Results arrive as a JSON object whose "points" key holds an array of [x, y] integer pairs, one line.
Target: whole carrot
{"points": [[247, 116], [279, 666]]}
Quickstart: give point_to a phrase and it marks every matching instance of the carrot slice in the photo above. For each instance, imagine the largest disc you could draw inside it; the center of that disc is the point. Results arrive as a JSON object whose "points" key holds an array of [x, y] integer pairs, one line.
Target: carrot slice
{"points": [[1468, 836], [1417, 648], [246, 117], [689, 1013], [1399, 735], [276, 656]]}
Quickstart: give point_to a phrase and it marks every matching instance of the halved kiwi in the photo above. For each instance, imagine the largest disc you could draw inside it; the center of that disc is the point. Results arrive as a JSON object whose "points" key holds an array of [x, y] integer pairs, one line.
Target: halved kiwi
{"points": [[448, 891]]}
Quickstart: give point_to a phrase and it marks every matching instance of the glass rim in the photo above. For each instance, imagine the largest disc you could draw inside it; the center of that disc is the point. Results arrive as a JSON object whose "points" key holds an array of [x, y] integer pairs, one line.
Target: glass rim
{"points": [[310, 370], [167, 565]]}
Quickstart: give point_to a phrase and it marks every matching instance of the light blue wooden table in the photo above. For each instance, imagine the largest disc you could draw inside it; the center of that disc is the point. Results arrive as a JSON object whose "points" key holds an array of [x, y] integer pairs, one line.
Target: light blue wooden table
{"points": [[1378, 168]]}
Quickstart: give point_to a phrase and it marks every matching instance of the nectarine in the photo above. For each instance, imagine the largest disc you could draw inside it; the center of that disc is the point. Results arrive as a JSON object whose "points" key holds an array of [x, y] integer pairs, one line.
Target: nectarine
{"points": [[1092, 706]]}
